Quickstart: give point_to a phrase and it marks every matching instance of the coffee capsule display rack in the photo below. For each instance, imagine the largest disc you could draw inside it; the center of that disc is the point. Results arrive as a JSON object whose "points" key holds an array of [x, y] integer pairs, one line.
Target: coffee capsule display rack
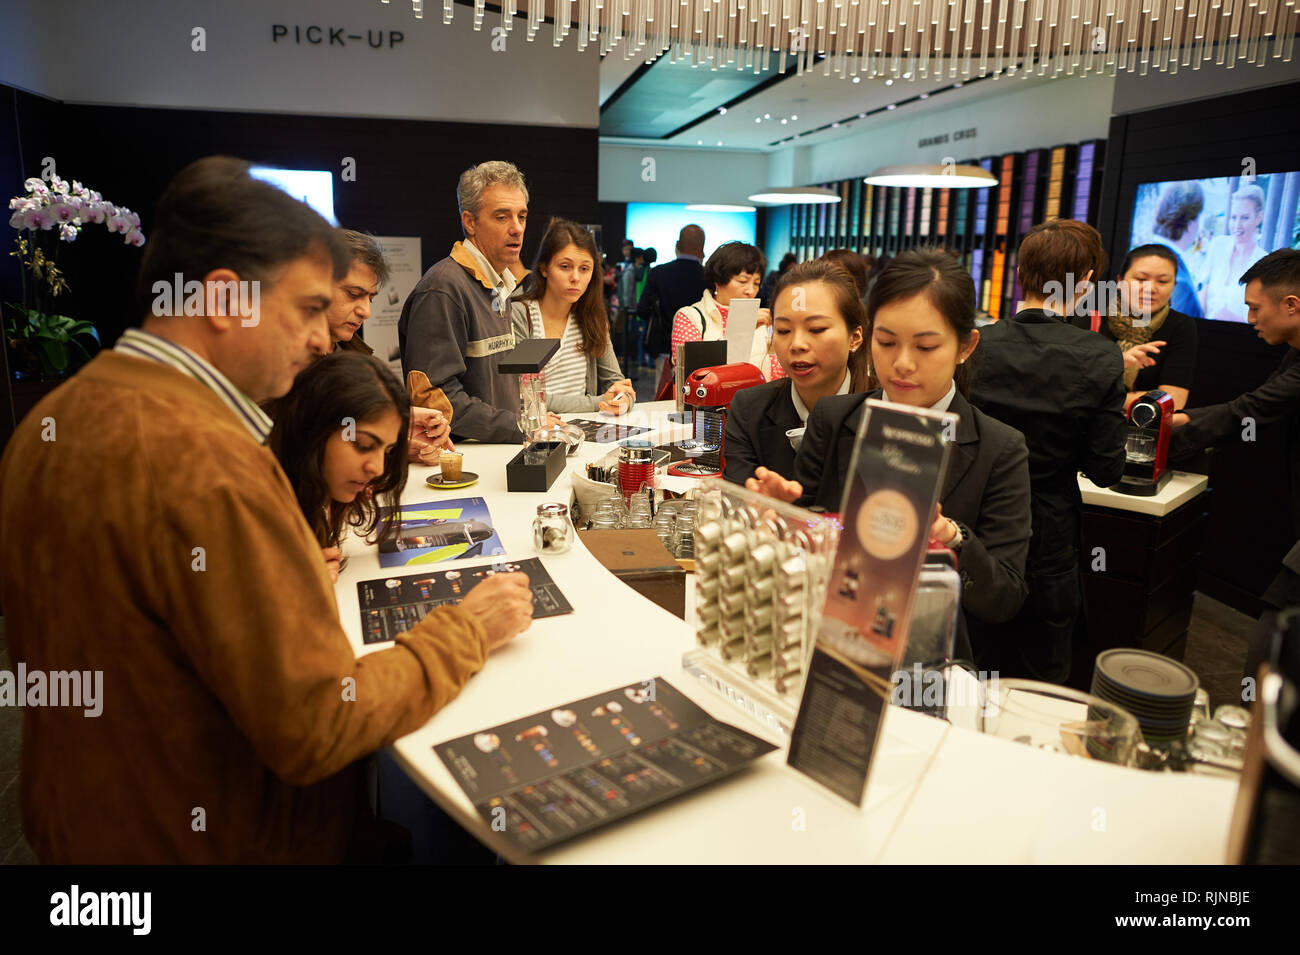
{"points": [[761, 568]]}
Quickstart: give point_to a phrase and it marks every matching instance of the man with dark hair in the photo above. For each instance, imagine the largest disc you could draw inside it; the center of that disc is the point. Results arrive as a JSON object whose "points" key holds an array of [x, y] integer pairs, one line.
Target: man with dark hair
{"points": [[1273, 307], [1063, 389], [234, 710], [669, 287], [430, 428], [356, 290]]}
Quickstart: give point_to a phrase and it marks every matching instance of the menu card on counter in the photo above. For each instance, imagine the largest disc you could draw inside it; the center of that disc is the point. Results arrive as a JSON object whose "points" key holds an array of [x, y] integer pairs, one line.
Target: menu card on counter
{"points": [[894, 479], [605, 432], [554, 775], [393, 605]]}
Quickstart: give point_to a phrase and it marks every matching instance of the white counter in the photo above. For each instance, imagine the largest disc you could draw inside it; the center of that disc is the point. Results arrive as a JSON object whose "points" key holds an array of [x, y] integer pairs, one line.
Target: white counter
{"points": [[938, 793], [1181, 487]]}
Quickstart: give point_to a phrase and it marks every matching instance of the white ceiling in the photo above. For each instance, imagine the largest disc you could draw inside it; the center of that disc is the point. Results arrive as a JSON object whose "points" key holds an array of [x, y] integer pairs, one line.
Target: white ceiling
{"points": [[814, 98]]}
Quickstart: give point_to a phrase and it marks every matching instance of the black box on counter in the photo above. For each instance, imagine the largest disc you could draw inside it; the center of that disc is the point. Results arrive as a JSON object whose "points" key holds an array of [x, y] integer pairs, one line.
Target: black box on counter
{"points": [[536, 467]]}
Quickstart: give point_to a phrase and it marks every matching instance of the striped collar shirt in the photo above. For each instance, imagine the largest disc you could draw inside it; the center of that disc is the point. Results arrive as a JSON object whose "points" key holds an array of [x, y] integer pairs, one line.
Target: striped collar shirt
{"points": [[142, 344]]}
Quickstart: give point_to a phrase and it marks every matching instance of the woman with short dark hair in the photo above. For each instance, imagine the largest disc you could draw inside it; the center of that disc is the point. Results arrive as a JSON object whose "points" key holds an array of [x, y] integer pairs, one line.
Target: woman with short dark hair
{"points": [[1158, 342], [734, 270]]}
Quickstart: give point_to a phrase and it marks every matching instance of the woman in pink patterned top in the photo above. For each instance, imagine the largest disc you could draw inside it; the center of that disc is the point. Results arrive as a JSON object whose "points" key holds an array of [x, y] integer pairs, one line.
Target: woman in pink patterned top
{"points": [[734, 270]]}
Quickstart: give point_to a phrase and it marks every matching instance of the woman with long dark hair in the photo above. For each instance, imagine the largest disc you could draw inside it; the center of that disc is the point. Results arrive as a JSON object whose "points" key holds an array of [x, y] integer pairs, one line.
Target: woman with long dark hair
{"points": [[340, 435], [921, 323], [819, 339], [560, 300]]}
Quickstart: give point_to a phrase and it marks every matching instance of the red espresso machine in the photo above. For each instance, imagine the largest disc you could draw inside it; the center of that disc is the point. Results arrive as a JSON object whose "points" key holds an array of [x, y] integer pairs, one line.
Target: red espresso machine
{"points": [[1146, 449], [708, 393]]}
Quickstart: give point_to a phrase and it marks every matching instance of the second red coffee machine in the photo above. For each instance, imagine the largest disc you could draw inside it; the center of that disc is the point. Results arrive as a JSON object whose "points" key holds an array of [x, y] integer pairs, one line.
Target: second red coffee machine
{"points": [[1147, 446], [708, 392]]}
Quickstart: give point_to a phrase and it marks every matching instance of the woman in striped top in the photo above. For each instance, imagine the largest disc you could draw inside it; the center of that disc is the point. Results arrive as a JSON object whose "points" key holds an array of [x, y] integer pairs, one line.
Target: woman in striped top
{"points": [[559, 300]]}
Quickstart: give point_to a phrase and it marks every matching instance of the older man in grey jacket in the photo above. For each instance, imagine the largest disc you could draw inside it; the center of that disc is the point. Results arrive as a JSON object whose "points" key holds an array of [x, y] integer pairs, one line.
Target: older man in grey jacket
{"points": [[455, 326]]}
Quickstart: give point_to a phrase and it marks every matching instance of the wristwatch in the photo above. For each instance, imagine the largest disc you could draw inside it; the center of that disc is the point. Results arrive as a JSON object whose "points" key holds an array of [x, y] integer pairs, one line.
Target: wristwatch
{"points": [[962, 535]]}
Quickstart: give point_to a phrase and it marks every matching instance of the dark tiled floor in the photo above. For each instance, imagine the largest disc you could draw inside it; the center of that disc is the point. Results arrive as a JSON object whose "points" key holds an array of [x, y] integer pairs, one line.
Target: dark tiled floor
{"points": [[1216, 648], [1216, 651]]}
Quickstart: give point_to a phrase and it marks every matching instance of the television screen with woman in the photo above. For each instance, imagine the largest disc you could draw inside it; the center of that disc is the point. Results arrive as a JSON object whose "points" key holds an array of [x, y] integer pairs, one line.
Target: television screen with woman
{"points": [[1217, 228]]}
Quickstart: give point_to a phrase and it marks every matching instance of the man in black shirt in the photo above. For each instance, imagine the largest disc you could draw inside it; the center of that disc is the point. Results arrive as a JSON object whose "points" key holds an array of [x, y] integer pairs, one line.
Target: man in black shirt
{"points": [[1063, 389], [669, 287], [1273, 308]]}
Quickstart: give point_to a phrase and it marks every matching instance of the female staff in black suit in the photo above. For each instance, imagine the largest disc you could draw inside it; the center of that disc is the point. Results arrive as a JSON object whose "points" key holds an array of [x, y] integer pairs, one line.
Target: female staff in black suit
{"points": [[817, 334], [921, 321]]}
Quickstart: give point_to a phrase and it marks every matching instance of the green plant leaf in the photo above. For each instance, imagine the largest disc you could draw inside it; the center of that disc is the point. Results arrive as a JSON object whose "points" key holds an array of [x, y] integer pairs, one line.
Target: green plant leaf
{"points": [[55, 354]]}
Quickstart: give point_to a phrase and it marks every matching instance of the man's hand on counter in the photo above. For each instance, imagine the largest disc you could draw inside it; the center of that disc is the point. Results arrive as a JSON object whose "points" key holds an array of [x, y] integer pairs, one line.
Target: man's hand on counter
{"points": [[504, 605]]}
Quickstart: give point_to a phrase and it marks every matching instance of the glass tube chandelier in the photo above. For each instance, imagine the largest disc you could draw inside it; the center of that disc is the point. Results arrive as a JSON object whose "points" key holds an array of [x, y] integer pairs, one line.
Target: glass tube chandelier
{"points": [[922, 38]]}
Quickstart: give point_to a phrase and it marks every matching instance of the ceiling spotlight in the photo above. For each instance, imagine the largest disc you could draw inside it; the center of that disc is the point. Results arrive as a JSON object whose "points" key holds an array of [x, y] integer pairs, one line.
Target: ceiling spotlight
{"points": [[889, 82], [767, 115], [862, 115], [719, 142], [794, 119], [699, 142], [722, 111], [891, 106], [784, 121], [835, 125], [925, 96], [799, 195], [857, 79], [758, 119], [945, 176], [957, 85]]}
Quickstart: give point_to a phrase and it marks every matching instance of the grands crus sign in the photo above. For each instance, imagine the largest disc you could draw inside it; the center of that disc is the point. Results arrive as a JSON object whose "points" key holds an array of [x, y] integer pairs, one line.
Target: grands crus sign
{"points": [[314, 35]]}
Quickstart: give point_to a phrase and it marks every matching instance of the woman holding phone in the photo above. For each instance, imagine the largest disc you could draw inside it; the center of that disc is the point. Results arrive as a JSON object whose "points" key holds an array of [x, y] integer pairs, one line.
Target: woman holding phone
{"points": [[921, 325], [340, 436], [818, 337], [561, 301]]}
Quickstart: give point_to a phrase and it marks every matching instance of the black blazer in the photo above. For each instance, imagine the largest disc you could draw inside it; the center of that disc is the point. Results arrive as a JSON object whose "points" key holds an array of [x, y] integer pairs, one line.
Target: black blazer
{"points": [[985, 490], [1062, 388], [1277, 399], [668, 287], [757, 422]]}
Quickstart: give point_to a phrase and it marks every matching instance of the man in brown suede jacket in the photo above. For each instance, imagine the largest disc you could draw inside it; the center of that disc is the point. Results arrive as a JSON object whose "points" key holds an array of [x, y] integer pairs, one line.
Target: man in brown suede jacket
{"points": [[147, 533]]}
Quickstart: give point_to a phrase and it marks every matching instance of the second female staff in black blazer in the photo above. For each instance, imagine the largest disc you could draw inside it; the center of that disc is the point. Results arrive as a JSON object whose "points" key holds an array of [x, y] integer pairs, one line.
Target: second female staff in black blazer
{"points": [[921, 323], [817, 335]]}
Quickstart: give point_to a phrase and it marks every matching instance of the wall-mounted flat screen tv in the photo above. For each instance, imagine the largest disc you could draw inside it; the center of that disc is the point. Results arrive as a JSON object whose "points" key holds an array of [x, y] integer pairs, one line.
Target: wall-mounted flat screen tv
{"points": [[1218, 228], [312, 186]]}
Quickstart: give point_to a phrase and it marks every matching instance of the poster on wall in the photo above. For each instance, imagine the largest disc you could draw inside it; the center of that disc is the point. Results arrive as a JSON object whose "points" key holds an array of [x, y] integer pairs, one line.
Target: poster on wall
{"points": [[403, 255]]}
